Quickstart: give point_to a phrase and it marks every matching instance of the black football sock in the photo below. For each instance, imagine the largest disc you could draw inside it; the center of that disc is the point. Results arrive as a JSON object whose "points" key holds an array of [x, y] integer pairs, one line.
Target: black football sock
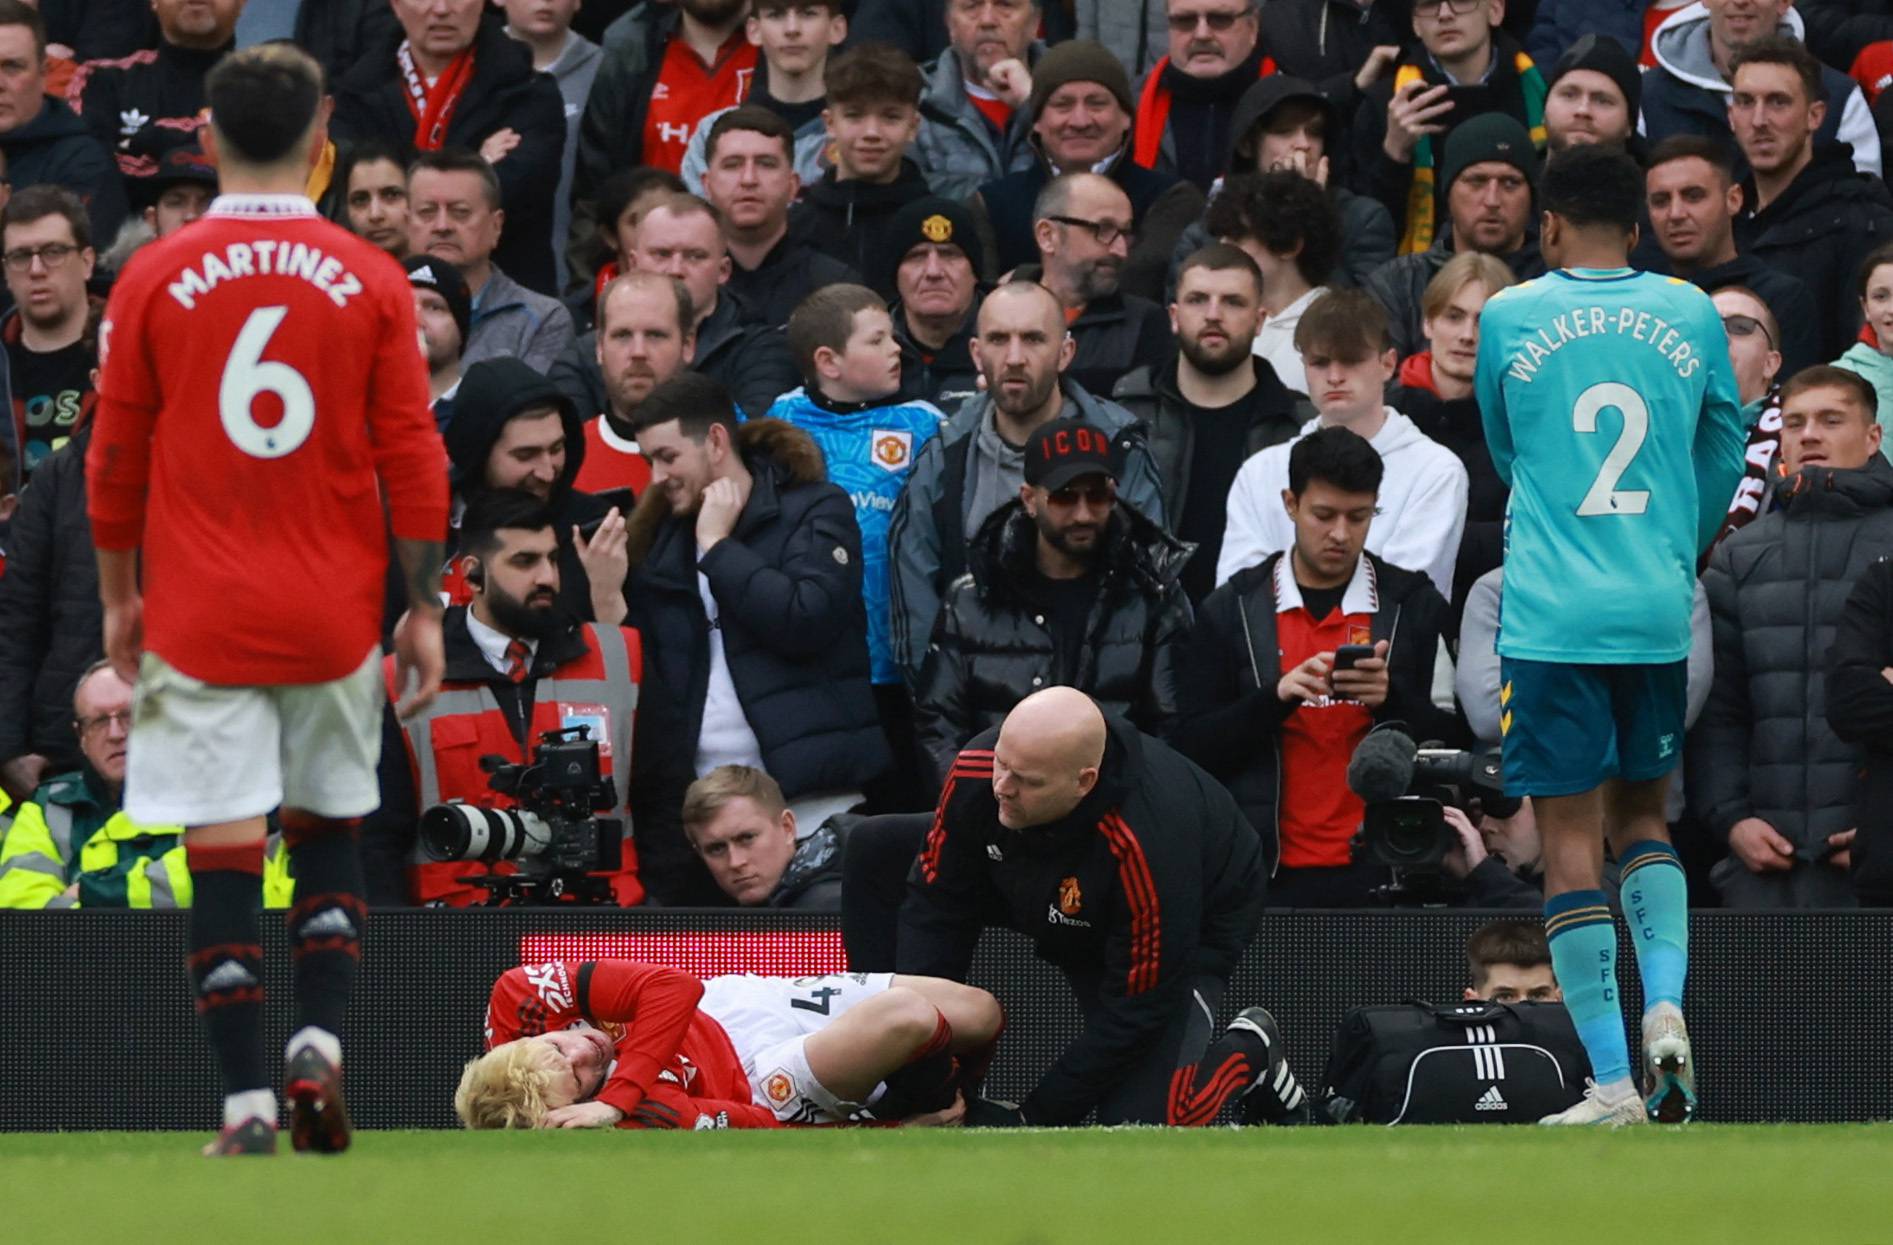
{"points": [[226, 959], [326, 921]]}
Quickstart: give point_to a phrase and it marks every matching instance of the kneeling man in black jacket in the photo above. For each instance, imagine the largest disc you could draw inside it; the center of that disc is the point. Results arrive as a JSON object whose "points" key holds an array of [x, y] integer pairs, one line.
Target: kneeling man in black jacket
{"points": [[1131, 870]]}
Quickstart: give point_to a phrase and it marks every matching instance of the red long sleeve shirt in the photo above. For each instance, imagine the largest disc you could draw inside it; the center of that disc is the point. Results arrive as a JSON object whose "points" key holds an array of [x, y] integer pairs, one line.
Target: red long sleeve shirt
{"points": [[262, 397], [676, 1066]]}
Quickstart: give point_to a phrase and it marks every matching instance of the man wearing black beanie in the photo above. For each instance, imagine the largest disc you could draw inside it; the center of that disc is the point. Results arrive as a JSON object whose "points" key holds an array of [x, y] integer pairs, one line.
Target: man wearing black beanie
{"points": [[1596, 91], [931, 258]]}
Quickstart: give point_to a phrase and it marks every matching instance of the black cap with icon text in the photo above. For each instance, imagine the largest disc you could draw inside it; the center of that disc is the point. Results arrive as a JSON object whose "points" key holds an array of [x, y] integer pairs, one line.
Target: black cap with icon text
{"points": [[1065, 450]]}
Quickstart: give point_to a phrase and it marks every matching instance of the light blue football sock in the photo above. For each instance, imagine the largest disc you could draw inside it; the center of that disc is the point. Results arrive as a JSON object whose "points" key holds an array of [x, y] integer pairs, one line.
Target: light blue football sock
{"points": [[1656, 903], [1584, 955]]}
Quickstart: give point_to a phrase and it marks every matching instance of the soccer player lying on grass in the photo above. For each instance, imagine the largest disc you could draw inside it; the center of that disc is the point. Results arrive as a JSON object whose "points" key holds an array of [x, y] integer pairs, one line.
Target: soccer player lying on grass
{"points": [[615, 1042]]}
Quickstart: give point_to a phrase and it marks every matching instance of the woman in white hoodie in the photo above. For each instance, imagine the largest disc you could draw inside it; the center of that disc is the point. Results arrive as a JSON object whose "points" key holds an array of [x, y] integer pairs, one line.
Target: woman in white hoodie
{"points": [[1349, 359]]}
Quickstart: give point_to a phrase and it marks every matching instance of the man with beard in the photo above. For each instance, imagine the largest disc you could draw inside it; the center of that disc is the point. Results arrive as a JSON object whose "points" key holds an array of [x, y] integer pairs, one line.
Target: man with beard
{"points": [[1065, 587], [513, 430], [974, 122], [746, 585], [517, 667], [977, 463], [646, 334], [1213, 404], [1082, 224]]}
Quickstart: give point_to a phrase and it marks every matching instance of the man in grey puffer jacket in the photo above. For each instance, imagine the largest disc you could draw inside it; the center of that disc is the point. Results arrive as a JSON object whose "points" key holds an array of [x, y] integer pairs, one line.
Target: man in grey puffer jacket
{"points": [[1767, 773]]}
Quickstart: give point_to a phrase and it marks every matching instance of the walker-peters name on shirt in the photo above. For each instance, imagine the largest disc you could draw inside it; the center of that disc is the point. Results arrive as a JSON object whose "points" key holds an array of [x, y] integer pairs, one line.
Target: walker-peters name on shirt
{"points": [[1582, 322], [266, 257]]}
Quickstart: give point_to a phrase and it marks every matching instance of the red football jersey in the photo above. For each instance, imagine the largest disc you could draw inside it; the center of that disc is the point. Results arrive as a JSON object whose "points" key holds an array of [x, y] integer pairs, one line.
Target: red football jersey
{"points": [[259, 375], [686, 89], [676, 1066], [611, 462]]}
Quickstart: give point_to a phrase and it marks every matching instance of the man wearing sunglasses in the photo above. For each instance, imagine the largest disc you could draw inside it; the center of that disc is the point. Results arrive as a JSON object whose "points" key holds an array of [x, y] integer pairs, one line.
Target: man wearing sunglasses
{"points": [[1188, 100], [976, 464], [1065, 586], [1082, 223]]}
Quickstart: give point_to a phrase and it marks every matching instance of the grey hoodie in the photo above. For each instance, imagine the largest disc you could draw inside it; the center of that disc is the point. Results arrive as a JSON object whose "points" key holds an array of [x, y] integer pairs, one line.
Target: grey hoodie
{"points": [[1681, 48]]}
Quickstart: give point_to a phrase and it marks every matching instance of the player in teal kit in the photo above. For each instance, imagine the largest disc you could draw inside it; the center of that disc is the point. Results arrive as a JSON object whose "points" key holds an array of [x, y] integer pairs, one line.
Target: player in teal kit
{"points": [[1610, 408]]}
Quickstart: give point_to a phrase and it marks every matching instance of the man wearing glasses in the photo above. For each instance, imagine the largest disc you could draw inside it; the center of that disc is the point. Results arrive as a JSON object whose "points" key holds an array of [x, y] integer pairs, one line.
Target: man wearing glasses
{"points": [[1065, 586], [1082, 225], [46, 243], [1465, 66], [73, 846]]}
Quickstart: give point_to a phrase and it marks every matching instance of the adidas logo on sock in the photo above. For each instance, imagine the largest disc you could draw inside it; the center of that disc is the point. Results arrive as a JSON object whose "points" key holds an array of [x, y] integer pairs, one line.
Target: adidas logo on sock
{"points": [[1491, 1100], [228, 975], [328, 921]]}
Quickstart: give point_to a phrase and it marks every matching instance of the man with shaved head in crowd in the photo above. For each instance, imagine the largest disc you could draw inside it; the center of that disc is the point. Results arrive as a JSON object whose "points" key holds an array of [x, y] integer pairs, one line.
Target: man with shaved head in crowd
{"points": [[1131, 870]]}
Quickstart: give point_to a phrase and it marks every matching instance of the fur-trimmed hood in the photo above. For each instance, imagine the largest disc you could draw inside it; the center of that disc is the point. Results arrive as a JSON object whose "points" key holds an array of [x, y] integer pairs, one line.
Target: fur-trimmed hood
{"points": [[779, 456]]}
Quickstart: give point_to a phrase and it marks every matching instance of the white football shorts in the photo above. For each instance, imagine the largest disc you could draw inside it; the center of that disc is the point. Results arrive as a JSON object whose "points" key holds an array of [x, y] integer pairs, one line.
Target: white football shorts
{"points": [[769, 1019], [201, 754]]}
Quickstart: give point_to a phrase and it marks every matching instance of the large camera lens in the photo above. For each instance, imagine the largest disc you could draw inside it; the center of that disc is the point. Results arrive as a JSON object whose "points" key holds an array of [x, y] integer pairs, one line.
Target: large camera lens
{"points": [[456, 831]]}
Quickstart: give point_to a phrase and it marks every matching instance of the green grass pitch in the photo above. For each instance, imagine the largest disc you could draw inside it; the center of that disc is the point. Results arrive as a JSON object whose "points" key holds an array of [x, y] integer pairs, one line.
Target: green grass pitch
{"points": [[1663, 1186]]}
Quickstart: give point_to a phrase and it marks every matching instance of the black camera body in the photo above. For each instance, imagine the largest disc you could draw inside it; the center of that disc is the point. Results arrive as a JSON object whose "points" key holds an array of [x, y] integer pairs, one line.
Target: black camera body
{"points": [[1406, 788], [552, 834]]}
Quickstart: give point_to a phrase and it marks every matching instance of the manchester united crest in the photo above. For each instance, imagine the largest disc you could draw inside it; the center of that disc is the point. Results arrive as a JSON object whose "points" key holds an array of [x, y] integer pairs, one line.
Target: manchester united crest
{"points": [[893, 449], [778, 1087], [937, 228]]}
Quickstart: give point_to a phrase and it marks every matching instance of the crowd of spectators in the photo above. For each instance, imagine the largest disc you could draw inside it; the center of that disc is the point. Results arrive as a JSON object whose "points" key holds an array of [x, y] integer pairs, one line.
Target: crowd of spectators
{"points": [[819, 378]]}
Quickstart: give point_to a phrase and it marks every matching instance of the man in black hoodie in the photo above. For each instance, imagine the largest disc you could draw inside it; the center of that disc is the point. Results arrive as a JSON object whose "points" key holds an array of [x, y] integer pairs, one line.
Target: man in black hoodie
{"points": [[1693, 200], [42, 139], [512, 428], [1134, 873], [475, 88], [1804, 208], [873, 113]]}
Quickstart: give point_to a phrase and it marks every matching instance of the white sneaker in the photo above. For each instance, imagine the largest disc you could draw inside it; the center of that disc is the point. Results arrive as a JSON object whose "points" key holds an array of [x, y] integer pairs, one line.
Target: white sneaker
{"points": [[1669, 1068], [1613, 1108]]}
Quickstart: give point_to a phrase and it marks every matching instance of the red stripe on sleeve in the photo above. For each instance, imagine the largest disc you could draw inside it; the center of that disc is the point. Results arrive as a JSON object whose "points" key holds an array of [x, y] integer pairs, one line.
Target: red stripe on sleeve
{"points": [[1146, 917]]}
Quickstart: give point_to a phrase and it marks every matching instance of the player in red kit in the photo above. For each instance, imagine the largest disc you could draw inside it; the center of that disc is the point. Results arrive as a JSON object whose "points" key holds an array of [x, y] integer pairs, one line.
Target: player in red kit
{"points": [[615, 1042], [262, 425]]}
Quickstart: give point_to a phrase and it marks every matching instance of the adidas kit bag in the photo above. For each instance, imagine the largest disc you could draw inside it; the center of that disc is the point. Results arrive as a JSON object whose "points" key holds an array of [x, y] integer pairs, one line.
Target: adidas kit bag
{"points": [[1455, 1063]]}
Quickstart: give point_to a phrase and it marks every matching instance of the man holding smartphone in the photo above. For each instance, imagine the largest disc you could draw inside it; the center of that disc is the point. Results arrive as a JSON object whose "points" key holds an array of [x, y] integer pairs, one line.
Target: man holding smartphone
{"points": [[1465, 65], [1293, 661]]}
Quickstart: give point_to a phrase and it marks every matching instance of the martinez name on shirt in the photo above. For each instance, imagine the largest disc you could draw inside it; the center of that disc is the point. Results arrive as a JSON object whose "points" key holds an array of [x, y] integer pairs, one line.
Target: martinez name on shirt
{"points": [[263, 258]]}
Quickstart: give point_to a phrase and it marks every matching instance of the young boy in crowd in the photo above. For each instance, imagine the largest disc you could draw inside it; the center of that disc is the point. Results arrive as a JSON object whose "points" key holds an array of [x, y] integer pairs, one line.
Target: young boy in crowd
{"points": [[793, 39], [873, 113], [843, 341], [1349, 358]]}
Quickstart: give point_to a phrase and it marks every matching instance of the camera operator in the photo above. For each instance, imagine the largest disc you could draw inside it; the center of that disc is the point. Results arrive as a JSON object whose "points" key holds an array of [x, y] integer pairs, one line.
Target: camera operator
{"points": [[1499, 859], [1280, 729], [516, 668], [745, 834]]}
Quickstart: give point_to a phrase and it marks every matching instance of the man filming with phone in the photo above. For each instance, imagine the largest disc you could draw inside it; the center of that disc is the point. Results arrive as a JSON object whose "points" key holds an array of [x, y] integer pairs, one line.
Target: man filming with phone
{"points": [[1292, 662]]}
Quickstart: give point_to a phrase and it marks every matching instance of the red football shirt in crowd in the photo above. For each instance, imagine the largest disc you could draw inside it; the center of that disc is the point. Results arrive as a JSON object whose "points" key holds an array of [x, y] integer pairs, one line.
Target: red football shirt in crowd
{"points": [[687, 90], [611, 461], [259, 376], [675, 1065]]}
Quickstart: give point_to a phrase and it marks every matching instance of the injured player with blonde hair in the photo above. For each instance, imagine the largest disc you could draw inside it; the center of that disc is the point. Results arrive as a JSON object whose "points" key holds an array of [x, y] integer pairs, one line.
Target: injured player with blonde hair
{"points": [[605, 1043]]}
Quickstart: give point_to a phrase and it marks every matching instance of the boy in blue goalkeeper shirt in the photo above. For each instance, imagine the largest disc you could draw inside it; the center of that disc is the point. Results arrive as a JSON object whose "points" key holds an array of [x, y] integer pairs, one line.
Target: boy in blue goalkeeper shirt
{"points": [[1610, 408], [843, 341]]}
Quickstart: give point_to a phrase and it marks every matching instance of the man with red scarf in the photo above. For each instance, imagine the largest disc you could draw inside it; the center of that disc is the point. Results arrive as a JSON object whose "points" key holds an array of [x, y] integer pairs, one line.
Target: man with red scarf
{"points": [[447, 78]]}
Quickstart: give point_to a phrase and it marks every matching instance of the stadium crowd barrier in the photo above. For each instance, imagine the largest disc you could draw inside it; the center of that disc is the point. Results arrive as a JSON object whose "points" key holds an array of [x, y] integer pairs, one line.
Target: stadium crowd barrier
{"points": [[1790, 1012]]}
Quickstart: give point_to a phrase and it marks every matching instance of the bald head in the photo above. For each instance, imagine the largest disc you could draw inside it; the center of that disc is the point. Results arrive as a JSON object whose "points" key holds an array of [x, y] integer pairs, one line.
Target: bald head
{"points": [[1047, 759], [1023, 301]]}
